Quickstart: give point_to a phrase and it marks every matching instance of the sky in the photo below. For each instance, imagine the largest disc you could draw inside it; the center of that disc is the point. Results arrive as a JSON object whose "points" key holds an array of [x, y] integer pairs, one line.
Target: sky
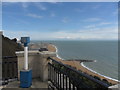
{"points": [[61, 20]]}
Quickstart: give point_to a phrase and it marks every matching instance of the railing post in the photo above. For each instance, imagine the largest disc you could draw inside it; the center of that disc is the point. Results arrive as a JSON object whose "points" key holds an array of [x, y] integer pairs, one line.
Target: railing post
{"points": [[60, 82], [63, 81], [55, 76], [66, 83], [69, 84]]}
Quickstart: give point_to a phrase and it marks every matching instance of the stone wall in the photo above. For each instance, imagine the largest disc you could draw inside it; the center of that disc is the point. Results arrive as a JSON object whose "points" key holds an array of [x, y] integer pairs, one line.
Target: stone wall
{"points": [[37, 62]]}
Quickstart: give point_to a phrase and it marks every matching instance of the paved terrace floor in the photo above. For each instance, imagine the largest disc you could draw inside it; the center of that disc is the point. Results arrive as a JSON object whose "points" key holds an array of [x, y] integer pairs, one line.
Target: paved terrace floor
{"points": [[36, 83]]}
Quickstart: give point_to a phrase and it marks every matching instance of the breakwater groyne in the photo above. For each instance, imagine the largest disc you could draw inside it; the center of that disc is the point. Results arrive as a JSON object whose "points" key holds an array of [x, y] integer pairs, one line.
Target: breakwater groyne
{"points": [[81, 60]]}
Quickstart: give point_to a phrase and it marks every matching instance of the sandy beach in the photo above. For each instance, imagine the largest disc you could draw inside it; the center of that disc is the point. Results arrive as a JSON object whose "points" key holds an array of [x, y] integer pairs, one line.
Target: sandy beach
{"points": [[78, 66]]}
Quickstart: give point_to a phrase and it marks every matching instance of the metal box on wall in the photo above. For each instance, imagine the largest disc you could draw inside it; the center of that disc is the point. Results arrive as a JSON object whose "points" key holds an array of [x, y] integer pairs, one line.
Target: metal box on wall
{"points": [[25, 78]]}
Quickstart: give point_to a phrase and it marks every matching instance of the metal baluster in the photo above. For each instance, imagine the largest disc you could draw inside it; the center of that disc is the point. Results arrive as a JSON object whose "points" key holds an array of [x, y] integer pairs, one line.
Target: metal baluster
{"points": [[66, 83], [63, 81], [60, 81], [48, 71], [73, 86], [69, 84], [53, 74], [56, 76]]}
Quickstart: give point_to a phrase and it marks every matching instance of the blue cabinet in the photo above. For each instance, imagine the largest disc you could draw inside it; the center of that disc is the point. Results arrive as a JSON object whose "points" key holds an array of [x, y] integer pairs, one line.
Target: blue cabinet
{"points": [[25, 78]]}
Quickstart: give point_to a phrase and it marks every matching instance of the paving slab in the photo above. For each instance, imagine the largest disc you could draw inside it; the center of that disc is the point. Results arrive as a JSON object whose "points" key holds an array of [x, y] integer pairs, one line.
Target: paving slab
{"points": [[36, 84]]}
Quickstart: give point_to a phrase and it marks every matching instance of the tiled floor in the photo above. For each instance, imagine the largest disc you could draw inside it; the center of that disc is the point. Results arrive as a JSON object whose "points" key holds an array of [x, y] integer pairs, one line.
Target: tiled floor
{"points": [[36, 83]]}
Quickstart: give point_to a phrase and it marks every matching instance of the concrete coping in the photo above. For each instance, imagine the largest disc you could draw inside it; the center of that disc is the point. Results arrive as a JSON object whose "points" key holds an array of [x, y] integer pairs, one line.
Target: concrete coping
{"points": [[48, 54], [36, 52], [115, 86]]}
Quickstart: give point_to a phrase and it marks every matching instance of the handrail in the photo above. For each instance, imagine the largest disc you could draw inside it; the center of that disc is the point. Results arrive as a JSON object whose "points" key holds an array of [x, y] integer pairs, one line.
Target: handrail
{"points": [[82, 74]]}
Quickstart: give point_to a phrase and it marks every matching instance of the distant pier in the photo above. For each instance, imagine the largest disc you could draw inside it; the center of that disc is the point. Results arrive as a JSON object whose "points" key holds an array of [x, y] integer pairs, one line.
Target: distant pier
{"points": [[81, 60]]}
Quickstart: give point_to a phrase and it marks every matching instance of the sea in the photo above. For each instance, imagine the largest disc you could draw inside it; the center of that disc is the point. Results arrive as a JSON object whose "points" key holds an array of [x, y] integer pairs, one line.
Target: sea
{"points": [[104, 52]]}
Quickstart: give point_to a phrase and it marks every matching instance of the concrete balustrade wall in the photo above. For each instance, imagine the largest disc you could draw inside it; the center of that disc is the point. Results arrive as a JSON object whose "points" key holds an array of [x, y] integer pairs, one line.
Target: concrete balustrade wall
{"points": [[37, 61]]}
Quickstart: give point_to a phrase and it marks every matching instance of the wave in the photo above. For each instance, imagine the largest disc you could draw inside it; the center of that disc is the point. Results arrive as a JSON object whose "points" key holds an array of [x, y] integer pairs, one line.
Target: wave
{"points": [[57, 52], [99, 73]]}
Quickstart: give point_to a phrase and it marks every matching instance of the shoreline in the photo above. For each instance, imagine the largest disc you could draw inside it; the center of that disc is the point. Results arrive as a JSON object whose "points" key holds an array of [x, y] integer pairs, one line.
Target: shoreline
{"points": [[99, 73], [57, 52], [87, 69]]}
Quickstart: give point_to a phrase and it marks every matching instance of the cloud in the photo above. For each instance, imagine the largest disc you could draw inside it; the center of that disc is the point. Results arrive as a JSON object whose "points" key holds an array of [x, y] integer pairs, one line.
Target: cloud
{"points": [[92, 20], [34, 16], [96, 6], [107, 33], [104, 23], [112, 30], [110, 33], [53, 2], [94, 26], [65, 37], [116, 12], [24, 4], [65, 20], [78, 10], [40, 6], [30, 0], [90, 26], [52, 14], [98, 33]]}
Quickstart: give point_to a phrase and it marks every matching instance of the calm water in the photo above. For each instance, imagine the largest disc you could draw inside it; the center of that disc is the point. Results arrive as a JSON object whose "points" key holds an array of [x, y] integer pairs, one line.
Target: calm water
{"points": [[105, 52]]}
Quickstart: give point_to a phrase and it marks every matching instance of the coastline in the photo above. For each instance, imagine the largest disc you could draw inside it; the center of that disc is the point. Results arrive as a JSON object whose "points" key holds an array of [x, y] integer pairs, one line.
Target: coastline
{"points": [[57, 52], [98, 73], [82, 67]]}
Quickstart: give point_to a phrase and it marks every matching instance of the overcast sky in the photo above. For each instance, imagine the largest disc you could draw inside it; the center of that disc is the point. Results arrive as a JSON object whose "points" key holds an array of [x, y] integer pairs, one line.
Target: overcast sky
{"points": [[56, 21]]}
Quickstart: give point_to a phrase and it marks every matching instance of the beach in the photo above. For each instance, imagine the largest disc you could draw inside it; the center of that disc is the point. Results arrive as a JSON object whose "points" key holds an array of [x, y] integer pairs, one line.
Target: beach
{"points": [[79, 66]]}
